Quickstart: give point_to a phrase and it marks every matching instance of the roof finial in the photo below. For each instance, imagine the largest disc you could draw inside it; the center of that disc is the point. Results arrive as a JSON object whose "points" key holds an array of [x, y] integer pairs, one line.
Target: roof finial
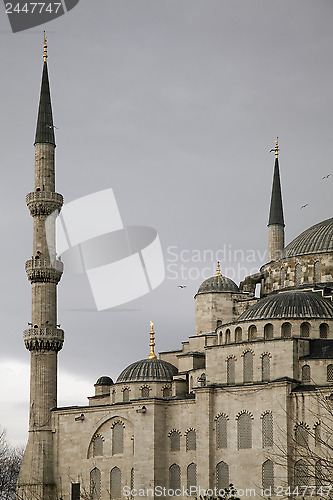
{"points": [[277, 147], [218, 270], [45, 47], [152, 354]]}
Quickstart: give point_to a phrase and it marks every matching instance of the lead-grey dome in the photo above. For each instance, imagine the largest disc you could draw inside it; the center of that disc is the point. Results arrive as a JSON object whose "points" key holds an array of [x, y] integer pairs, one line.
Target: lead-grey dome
{"points": [[104, 381], [148, 370], [291, 304], [218, 284], [315, 239]]}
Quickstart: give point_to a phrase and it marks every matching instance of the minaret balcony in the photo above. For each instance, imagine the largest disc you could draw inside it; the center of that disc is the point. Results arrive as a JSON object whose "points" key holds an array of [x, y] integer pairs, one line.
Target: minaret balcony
{"points": [[44, 202], [43, 339], [44, 270]]}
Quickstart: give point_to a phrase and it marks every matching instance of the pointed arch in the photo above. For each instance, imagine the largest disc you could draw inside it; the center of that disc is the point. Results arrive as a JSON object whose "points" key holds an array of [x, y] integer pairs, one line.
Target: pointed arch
{"points": [[117, 438], [191, 474], [222, 476], [115, 483], [174, 477], [95, 483]]}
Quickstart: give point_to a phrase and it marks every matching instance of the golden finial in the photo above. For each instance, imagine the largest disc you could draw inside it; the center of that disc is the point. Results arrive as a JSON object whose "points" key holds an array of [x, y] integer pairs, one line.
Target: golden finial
{"points": [[152, 354], [277, 147], [218, 270], [45, 47]]}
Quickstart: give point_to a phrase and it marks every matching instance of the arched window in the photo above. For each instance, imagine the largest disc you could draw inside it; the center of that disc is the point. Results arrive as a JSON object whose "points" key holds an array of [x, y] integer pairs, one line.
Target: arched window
{"points": [[298, 274], [282, 277], [221, 432], [222, 476], [306, 373], [252, 332], [174, 441], [117, 438], [191, 476], [267, 430], [166, 392], [125, 395], [132, 479], [219, 323], [301, 436], [317, 272], [301, 476], [231, 371], [174, 477], [115, 482], [238, 334], [330, 373], [98, 446], [268, 331], [319, 474], [305, 329], [191, 440], [95, 483], [191, 384], [265, 368], [268, 474], [286, 330], [323, 331], [248, 367], [244, 431], [227, 336], [317, 434], [113, 396], [145, 392]]}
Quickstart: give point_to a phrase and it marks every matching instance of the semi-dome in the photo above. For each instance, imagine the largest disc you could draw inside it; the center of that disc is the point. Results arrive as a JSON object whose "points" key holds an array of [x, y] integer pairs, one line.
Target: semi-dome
{"points": [[104, 381], [218, 283], [292, 305], [315, 239], [148, 370]]}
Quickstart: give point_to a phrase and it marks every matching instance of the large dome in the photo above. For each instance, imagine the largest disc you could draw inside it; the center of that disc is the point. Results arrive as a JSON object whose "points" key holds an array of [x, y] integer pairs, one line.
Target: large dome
{"points": [[218, 284], [316, 239], [291, 304], [148, 370]]}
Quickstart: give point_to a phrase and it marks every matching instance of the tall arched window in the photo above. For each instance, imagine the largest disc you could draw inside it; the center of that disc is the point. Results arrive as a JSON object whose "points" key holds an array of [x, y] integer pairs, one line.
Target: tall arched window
{"points": [[301, 475], [166, 392], [244, 431], [174, 441], [298, 274], [132, 479], [98, 446], [268, 331], [317, 272], [265, 368], [222, 476], [267, 430], [248, 367], [238, 334], [191, 440], [115, 482], [301, 436], [268, 474], [191, 476], [317, 434], [323, 331], [286, 330], [125, 395], [227, 336], [282, 277], [174, 477], [113, 396], [145, 392], [252, 332], [305, 329], [221, 432], [329, 373], [306, 373], [319, 474], [231, 371], [117, 438], [95, 483]]}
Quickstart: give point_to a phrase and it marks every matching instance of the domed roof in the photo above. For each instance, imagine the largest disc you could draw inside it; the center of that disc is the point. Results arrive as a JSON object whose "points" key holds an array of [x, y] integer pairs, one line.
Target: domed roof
{"points": [[148, 370], [291, 304], [104, 381], [218, 283], [316, 239]]}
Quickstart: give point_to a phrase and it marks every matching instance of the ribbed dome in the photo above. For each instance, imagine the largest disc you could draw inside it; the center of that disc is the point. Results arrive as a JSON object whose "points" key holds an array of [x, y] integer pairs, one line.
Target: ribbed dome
{"points": [[218, 284], [104, 381], [293, 304], [148, 370], [316, 239]]}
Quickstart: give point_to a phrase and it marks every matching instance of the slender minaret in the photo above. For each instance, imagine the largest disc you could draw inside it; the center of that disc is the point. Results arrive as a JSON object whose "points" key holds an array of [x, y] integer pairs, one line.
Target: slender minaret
{"points": [[44, 339], [276, 220]]}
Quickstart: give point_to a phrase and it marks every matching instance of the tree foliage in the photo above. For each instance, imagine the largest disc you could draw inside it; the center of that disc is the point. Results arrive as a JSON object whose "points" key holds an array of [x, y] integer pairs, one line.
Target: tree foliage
{"points": [[10, 463]]}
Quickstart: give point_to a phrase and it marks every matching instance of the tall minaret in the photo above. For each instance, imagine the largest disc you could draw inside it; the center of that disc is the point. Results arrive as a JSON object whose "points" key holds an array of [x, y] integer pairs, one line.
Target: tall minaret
{"points": [[44, 339], [276, 220]]}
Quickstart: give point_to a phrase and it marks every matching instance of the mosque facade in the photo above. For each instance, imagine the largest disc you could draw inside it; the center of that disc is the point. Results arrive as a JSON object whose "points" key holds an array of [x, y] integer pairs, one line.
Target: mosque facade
{"points": [[247, 399]]}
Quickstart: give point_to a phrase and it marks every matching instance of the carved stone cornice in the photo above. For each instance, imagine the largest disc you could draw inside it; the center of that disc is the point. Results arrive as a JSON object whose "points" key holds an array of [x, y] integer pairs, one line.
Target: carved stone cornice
{"points": [[43, 270], [43, 339], [44, 202]]}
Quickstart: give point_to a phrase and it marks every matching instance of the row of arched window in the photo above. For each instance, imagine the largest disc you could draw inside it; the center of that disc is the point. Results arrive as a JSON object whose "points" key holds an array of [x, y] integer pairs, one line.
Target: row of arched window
{"points": [[303, 475], [191, 440], [248, 368], [117, 441], [115, 483], [317, 274], [306, 373], [144, 393], [303, 433]]}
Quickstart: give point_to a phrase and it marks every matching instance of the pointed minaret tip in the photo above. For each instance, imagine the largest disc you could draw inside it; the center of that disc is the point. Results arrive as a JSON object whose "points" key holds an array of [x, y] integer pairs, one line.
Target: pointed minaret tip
{"points": [[152, 354], [45, 47], [218, 270], [276, 208]]}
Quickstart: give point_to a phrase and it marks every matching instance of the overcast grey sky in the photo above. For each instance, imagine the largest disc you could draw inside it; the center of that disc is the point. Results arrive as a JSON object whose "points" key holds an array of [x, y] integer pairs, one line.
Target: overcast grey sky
{"points": [[175, 105]]}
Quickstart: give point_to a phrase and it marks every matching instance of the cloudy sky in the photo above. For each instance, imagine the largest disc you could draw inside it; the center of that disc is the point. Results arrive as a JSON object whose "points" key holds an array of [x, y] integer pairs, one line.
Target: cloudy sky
{"points": [[175, 105]]}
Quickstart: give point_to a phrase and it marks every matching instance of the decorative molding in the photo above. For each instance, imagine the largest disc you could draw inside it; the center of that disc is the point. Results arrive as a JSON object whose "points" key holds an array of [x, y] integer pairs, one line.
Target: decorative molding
{"points": [[267, 412], [247, 350], [174, 430], [302, 424], [41, 203], [117, 422], [230, 356], [43, 339], [242, 413], [265, 353], [190, 429], [221, 415]]}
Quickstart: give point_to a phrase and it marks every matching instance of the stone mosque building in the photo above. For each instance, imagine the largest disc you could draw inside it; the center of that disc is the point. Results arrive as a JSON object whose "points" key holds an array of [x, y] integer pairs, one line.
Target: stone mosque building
{"points": [[247, 399]]}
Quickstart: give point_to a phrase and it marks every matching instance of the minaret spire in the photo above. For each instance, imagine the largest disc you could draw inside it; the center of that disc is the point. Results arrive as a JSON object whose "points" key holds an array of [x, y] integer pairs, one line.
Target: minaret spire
{"points": [[45, 127], [276, 219], [152, 354]]}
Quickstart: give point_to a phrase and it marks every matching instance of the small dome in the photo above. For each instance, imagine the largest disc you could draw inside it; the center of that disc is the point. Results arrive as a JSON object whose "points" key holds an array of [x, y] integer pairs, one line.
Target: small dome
{"points": [[104, 381], [218, 284], [291, 304], [148, 370], [316, 239]]}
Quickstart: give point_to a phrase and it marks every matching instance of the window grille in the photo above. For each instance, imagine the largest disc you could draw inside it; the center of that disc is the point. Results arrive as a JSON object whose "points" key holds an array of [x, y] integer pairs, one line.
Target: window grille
{"points": [[125, 395], [248, 367], [323, 331], [244, 431], [268, 331], [298, 274], [319, 474], [286, 330], [268, 475], [174, 441], [231, 376], [267, 430], [145, 392], [166, 392], [98, 446], [301, 436], [317, 435], [306, 373], [174, 477], [221, 432], [115, 482], [252, 332], [118, 439], [95, 483], [330, 373], [191, 476], [282, 276], [132, 479], [191, 443], [317, 272], [301, 475], [222, 476], [305, 329], [238, 334], [265, 368], [76, 495]]}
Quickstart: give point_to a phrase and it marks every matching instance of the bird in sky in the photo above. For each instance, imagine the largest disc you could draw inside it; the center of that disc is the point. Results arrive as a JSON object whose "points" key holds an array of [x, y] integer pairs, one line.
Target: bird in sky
{"points": [[181, 286], [303, 206], [326, 176]]}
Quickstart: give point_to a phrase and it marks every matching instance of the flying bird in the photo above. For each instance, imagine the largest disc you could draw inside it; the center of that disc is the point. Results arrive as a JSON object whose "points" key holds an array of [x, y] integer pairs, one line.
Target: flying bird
{"points": [[326, 176], [181, 286], [306, 205]]}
